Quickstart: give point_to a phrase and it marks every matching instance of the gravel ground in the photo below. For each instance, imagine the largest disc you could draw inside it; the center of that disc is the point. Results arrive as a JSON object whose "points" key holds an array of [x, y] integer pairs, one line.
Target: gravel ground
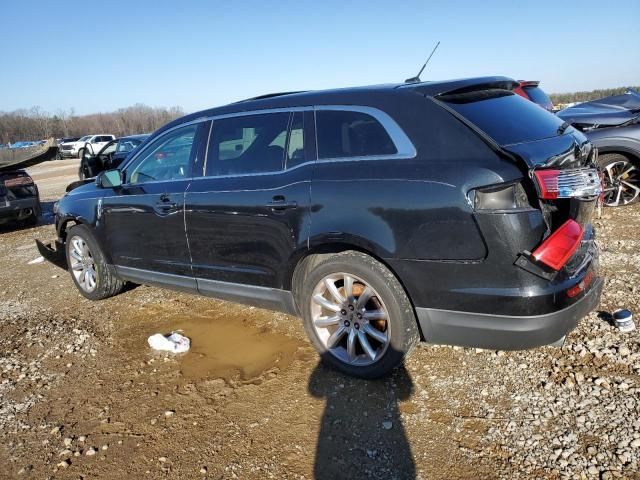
{"points": [[81, 395]]}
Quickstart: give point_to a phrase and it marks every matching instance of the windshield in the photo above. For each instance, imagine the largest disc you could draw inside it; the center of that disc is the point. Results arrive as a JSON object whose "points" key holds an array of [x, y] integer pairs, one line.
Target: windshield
{"points": [[504, 116], [85, 138]]}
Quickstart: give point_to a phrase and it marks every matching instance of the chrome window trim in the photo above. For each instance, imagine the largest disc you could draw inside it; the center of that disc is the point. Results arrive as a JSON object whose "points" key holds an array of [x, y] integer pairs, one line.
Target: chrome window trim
{"points": [[404, 146]]}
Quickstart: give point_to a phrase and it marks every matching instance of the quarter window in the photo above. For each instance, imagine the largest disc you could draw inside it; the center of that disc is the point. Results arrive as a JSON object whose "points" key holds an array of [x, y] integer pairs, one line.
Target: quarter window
{"points": [[167, 158], [248, 144], [344, 133]]}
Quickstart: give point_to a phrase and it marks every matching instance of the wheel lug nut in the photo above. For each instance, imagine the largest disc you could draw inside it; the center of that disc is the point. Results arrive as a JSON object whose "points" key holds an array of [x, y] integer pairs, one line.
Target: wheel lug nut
{"points": [[357, 325], [346, 323], [343, 312], [359, 316]]}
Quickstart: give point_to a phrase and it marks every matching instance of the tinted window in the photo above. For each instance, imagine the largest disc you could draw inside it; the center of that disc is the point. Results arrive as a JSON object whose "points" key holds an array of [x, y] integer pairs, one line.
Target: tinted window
{"points": [[351, 134], [248, 144], [295, 149], [504, 116], [167, 158], [537, 95]]}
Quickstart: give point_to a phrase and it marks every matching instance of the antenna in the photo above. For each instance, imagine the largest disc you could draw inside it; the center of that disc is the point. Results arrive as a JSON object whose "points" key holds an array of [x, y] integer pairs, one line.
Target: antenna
{"points": [[416, 79]]}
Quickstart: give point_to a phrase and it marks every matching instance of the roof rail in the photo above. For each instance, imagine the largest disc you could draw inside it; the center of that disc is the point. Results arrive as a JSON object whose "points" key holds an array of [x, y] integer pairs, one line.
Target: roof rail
{"points": [[269, 95]]}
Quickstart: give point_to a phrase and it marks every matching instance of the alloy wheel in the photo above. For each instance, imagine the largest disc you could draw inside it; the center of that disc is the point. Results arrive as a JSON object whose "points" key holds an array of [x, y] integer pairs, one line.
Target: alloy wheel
{"points": [[621, 183], [350, 319], [82, 264]]}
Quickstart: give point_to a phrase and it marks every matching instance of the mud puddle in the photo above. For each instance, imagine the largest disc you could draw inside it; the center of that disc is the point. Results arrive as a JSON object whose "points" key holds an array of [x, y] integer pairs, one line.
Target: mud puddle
{"points": [[222, 346]]}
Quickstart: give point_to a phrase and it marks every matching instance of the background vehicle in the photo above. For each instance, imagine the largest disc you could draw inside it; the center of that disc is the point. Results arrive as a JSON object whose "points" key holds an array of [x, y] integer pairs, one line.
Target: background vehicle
{"points": [[19, 197], [530, 89], [613, 125], [110, 157], [64, 140], [92, 142], [380, 215]]}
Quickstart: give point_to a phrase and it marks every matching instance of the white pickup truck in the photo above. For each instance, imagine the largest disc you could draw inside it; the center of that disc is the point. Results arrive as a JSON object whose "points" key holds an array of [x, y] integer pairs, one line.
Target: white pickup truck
{"points": [[94, 142]]}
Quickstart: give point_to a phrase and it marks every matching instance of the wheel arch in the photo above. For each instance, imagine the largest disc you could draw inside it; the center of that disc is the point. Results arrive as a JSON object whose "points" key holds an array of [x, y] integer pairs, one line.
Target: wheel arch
{"points": [[305, 259]]}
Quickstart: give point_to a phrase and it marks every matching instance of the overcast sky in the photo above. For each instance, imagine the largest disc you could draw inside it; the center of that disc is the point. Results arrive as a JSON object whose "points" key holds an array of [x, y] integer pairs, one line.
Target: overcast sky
{"points": [[199, 54]]}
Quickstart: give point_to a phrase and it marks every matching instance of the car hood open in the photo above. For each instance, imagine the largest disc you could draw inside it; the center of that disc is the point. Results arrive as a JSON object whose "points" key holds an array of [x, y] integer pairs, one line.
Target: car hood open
{"points": [[609, 111]]}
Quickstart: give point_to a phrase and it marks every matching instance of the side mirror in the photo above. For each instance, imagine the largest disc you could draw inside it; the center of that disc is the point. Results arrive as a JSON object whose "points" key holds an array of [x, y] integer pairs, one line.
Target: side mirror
{"points": [[109, 179]]}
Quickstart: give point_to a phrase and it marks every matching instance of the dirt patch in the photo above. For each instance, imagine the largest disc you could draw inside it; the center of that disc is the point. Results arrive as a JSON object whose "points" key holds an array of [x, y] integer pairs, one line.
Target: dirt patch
{"points": [[223, 346]]}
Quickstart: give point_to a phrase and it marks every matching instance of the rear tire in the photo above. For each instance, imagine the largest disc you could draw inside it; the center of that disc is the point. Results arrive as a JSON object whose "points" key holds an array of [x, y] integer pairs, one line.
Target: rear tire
{"points": [[348, 296], [88, 268], [621, 180]]}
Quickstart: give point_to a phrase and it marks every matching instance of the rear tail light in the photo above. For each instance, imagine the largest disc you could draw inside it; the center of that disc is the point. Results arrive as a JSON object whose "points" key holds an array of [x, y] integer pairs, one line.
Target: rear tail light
{"points": [[582, 285], [558, 248], [501, 197], [18, 181], [579, 182]]}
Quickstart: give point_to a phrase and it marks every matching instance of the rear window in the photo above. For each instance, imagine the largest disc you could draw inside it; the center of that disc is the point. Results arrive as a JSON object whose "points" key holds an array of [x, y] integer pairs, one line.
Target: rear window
{"points": [[351, 134], [504, 116], [537, 95]]}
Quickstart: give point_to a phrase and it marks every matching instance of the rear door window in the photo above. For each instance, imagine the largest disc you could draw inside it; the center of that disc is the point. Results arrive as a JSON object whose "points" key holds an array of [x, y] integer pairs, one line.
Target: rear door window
{"points": [[248, 144], [295, 147], [343, 134], [506, 117]]}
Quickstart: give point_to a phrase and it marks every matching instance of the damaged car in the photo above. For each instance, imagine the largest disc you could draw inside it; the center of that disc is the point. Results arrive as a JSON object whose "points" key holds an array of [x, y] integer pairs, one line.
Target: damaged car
{"points": [[612, 124], [19, 197], [454, 212]]}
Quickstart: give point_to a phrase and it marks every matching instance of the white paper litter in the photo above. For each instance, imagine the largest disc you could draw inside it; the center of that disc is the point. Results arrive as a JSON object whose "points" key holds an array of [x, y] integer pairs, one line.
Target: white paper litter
{"points": [[174, 342], [36, 260]]}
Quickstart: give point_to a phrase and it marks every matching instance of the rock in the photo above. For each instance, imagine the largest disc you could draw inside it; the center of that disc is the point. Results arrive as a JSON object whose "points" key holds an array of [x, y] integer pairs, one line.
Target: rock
{"points": [[90, 452], [64, 463], [203, 470], [623, 351], [635, 443], [162, 459], [105, 447], [169, 413], [387, 425], [67, 442]]}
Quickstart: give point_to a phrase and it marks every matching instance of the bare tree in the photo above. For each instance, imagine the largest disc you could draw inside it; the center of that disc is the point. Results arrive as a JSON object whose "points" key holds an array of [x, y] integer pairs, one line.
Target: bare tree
{"points": [[36, 123]]}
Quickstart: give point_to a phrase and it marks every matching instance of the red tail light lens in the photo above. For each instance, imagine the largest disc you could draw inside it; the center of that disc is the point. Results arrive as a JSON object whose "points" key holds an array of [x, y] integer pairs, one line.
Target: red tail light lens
{"points": [[18, 181], [548, 183], [582, 285], [558, 248]]}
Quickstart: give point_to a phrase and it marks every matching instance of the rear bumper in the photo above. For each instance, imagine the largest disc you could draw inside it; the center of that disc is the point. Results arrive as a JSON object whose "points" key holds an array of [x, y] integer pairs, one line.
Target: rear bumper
{"points": [[17, 208], [53, 252], [504, 332]]}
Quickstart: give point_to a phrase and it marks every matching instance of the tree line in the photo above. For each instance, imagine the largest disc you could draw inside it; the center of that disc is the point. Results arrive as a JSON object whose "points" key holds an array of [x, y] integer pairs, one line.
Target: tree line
{"points": [[37, 124], [587, 96]]}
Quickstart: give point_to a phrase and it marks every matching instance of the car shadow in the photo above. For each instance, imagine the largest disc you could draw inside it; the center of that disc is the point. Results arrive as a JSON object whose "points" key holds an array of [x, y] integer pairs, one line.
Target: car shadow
{"points": [[361, 432]]}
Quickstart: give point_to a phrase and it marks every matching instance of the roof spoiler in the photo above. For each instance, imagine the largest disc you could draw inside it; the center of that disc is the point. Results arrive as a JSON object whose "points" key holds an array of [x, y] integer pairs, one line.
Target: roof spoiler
{"points": [[464, 86]]}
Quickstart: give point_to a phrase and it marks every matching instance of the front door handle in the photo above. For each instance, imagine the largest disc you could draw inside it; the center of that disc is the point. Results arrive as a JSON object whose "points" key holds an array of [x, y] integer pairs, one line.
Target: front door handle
{"points": [[280, 203]]}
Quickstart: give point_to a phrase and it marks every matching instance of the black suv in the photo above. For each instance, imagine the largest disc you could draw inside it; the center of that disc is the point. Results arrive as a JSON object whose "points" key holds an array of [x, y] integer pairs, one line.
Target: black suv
{"points": [[454, 212]]}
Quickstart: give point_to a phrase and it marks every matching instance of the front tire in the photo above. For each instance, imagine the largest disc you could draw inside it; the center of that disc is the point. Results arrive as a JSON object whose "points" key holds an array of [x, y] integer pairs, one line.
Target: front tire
{"points": [[357, 314], [87, 265], [621, 180]]}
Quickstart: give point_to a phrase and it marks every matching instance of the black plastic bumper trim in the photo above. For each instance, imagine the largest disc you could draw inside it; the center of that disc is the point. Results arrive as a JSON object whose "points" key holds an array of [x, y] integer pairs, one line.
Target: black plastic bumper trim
{"points": [[53, 252], [503, 332]]}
